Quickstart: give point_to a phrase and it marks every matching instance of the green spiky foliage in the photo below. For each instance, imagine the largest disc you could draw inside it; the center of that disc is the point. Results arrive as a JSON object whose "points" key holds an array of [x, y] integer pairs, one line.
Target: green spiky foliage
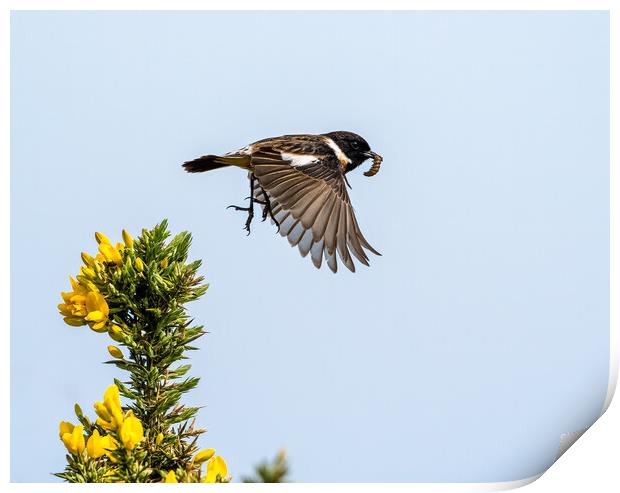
{"points": [[136, 292], [158, 333], [274, 471]]}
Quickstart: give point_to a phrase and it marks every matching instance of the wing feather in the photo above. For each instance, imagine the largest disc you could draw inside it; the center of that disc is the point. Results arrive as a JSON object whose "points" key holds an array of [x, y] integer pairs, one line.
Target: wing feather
{"points": [[309, 217], [300, 206], [332, 228], [353, 241], [311, 204], [320, 224], [360, 236], [331, 260], [341, 236], [305, 244], [316, 253]]}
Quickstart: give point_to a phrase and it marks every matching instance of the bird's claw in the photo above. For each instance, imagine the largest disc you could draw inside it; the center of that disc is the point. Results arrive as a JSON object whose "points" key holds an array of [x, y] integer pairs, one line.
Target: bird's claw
{"points": [[266, 203], [238, 208], [250, 212]]}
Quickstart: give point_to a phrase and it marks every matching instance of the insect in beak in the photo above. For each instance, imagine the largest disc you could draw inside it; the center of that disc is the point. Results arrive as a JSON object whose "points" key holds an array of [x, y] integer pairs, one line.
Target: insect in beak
{"points": [[376, 163]]}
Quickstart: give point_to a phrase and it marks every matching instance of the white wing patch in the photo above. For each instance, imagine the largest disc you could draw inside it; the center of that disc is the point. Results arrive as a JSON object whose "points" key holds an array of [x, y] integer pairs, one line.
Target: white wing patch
{"points": [[298, 159]]}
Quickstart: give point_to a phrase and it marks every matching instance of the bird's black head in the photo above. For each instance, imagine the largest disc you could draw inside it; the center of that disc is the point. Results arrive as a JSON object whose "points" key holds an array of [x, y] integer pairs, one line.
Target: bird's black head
{"points": [[353, 146]]}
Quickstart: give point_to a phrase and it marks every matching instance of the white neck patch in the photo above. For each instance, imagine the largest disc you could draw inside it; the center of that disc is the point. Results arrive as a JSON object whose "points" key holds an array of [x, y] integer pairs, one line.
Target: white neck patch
{"points": [[342, 157]]}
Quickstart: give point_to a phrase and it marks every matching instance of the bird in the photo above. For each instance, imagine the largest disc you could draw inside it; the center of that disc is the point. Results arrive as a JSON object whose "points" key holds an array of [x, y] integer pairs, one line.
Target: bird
{"points": [[301, 183]]}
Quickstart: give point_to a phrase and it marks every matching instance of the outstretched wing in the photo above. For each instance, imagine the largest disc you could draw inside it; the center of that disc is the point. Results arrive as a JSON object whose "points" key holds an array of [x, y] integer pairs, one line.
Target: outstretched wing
{"points": [[309, 199]]}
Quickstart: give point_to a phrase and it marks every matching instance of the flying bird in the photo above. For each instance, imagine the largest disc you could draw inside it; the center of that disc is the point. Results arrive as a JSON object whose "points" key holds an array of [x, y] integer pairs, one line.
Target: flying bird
{"points": [[300, 181]]}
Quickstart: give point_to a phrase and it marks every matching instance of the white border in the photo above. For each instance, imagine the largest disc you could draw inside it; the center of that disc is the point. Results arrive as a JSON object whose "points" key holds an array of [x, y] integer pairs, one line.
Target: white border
{"points": [[610, 5]]}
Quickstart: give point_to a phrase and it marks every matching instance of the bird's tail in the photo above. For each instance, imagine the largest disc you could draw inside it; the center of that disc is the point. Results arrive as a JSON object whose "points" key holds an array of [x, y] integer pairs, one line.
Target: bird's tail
{"points": [[210, 162]]}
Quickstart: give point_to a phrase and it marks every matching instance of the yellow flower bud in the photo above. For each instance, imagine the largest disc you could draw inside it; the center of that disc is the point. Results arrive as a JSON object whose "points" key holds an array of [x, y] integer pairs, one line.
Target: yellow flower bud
{"points": [[74, 321], [101, 238], [216, 470], [164, 263], [159, 438], [115, 332], [98, 327], [106, 425], [139, 264], [171, 477], [115, 352], [87, 259], [102, 411], [127, 239], [204, 455], [74, 441], [87, 272], [91, 286], [131, 432]]}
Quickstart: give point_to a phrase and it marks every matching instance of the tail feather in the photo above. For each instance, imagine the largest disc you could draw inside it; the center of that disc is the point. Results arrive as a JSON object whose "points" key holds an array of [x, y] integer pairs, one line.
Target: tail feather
{"points": [[211, 162]]}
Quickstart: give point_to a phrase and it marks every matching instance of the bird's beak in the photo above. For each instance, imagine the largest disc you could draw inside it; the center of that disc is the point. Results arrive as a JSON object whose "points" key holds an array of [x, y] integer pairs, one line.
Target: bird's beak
{"points": [[371, 155]]}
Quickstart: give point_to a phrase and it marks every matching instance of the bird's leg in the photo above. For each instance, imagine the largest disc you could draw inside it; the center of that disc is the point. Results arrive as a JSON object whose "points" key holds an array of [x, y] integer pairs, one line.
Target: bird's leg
{"points": [[250, 208], [268, 210]]}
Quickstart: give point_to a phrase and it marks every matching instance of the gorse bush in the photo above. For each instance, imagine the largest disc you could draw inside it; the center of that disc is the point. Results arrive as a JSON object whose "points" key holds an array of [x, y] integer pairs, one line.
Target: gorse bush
{"points": [[135, 292]]}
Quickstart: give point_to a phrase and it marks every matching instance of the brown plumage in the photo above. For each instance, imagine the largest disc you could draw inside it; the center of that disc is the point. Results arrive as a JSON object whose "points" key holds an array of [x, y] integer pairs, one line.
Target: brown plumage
{"points": [[300, 181]]}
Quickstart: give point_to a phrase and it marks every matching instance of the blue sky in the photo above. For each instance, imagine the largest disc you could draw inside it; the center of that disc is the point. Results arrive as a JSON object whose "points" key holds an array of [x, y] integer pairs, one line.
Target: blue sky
{"points": [[461, 354]]}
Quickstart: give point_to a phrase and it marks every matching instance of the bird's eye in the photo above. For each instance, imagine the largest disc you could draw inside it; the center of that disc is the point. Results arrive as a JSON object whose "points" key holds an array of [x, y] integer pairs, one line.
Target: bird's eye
{"points": [[355, 145]]}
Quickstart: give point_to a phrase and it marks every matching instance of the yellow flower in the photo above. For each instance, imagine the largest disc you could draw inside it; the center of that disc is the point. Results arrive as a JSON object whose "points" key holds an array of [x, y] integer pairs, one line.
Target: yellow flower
{"points": [[139, 264], [131, 432], [127, 239], [109, 411], [111, 253], [112, 402], [164, 263], [74, 306], [74, 441], [171, 477], [84, 304], [95, 445], [97, 311], [159, 438], [216, 470], [115, 352], [65, 427], [109, 445], [204, 455]]}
